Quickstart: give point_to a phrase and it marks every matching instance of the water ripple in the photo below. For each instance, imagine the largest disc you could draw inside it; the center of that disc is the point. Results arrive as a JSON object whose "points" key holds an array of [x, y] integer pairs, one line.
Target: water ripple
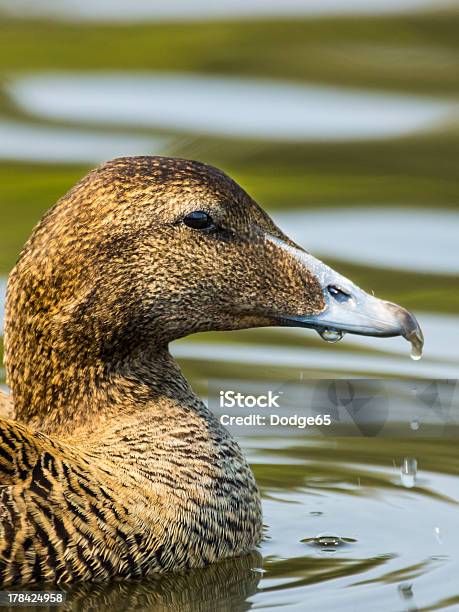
{"points": [[233, 107], [420, 240]]}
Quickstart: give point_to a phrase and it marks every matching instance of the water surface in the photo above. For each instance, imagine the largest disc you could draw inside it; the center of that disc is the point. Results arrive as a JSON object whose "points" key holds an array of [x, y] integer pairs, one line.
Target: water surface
{"points": [[183, 10], [235, 107], [33, 143], [414, 240]]}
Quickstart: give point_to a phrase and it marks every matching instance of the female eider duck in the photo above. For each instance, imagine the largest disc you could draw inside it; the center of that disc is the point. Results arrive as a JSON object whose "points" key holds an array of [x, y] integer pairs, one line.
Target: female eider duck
{"points": [[113, 467]]}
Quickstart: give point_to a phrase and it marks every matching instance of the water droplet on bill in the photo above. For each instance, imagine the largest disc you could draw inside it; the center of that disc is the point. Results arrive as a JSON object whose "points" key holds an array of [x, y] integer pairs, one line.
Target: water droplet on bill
{"points": [[416, 339], [330, 335]]}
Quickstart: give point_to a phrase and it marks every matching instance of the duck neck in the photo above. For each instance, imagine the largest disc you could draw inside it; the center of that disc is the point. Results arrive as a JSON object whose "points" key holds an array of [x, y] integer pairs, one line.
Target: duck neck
{"points": [[67, 395]]}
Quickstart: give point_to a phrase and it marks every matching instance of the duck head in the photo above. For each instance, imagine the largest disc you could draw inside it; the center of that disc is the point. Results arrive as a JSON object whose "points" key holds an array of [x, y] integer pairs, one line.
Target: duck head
{"points": [[145, 250]]}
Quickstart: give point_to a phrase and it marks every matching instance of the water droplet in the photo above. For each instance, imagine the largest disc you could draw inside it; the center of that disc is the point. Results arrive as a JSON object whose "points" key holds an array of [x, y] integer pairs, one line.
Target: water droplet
{"points": [[437, 535], [258, 570], [330, 335], [406, 590], [328, 541], [415, 424], [416, 339], [408, 472]]}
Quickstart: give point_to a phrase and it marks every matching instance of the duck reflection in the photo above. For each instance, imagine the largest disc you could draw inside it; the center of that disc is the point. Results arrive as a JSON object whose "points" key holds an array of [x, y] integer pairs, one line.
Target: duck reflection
{"points": [[224, 586]]}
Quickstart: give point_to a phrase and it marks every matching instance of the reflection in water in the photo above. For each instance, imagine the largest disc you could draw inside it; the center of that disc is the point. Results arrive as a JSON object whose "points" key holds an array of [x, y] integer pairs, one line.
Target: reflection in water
{"points": [[225, 587], [314, 570], [233, 107], [275, 356]]}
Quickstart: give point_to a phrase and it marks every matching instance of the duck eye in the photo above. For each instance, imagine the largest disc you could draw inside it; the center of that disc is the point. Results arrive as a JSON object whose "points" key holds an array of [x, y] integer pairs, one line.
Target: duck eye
{"points": [[199, 220]]}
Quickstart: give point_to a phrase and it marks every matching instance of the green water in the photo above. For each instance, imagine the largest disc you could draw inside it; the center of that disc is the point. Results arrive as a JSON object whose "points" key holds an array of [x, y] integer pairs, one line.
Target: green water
{"points": [[400, 544]]}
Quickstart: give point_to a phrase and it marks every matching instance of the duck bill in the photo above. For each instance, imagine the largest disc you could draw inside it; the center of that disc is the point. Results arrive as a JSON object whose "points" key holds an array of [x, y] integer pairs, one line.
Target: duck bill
{"points": [[350, 309]]}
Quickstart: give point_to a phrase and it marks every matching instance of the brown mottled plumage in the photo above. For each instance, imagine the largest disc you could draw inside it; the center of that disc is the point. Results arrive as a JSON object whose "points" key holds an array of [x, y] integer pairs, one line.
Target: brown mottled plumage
{"points": [[113, 466]]}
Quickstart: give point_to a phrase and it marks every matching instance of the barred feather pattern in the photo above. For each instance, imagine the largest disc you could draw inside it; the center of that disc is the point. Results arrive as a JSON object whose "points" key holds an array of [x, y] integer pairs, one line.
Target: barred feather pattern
{"points": [[73, 512]]}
